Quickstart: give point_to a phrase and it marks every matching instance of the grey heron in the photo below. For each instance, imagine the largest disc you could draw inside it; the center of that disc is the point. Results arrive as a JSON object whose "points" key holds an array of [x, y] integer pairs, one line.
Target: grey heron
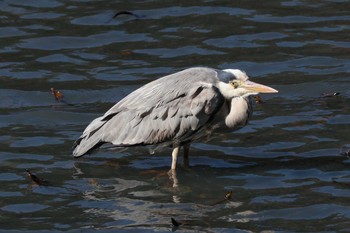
{"points": [[175, 110]]}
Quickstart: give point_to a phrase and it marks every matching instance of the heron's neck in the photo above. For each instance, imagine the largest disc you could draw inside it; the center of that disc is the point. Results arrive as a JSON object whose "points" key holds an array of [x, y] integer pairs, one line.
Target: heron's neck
{"points": [[240, 111]]}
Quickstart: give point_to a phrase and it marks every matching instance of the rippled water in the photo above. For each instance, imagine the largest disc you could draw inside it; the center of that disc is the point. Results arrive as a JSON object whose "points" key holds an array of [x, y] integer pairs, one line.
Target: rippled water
{"points": [[285, 168]]}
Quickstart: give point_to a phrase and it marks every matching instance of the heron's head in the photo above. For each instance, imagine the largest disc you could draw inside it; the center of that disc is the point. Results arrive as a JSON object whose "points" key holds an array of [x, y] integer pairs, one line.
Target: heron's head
{"points": [[239, 85]]}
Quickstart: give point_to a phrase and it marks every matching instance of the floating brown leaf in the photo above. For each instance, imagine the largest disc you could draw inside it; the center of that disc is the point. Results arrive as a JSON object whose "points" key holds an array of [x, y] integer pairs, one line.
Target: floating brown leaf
{"points": [[35, 179], [57, 94], [258, 99], [228, 195]]}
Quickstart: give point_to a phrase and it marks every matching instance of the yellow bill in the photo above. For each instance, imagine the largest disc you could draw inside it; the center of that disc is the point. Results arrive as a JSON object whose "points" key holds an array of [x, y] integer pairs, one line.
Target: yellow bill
{"points": [[258, 88]]}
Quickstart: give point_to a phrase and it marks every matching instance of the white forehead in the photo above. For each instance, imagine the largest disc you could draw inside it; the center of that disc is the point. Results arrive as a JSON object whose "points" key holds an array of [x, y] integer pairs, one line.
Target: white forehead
{"points": [[238, 74]]}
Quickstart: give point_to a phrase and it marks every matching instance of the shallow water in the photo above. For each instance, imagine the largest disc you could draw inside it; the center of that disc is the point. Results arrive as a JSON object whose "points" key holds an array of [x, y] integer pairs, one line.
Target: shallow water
{"points": [[285, 168]]}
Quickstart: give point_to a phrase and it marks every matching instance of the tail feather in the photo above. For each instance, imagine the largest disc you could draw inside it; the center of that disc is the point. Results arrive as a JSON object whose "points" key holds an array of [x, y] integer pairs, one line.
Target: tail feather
{"points": [[90, 139]]}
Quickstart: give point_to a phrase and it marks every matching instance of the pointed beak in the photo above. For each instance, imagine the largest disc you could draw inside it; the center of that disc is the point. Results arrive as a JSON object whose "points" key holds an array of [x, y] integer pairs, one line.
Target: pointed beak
{"points": [[257, 88]]}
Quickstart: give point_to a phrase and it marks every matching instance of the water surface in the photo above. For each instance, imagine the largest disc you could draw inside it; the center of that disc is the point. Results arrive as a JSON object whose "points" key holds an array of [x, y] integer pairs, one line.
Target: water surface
{"points": [[285, 168]]}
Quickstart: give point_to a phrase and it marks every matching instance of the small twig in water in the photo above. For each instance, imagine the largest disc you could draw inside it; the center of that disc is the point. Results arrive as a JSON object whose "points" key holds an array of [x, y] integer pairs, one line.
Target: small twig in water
{"points": [[325, 95], [124, 13]]}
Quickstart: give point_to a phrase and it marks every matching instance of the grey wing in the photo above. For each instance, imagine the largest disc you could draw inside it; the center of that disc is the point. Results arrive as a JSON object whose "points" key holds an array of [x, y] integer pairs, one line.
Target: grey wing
{"points": [[156, 113], [171, 122]]}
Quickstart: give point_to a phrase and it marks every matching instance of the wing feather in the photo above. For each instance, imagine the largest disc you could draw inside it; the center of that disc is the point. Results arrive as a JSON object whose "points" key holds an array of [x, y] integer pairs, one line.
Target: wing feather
{"points": [[168, 109], [154, 126]]}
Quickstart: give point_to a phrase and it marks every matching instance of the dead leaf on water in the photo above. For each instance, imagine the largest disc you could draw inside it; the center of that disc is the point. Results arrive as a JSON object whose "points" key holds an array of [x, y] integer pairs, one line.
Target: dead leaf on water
{"points": [[35, 179], [258, 99], [57, 94], [228, 195], [174, 223]]}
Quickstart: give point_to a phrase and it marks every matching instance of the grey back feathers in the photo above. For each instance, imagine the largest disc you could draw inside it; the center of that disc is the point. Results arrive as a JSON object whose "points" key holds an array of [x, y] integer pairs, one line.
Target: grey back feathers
{"points": [[172, 110]]}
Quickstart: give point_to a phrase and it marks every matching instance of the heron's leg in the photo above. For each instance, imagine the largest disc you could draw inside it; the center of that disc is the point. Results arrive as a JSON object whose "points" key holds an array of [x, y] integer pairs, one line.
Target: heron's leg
{"points": [[186, 155], [173, 178], [174, 157]]}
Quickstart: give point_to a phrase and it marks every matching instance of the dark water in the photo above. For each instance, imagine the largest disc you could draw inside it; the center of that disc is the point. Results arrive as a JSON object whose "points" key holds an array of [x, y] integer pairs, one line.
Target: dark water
{"points": [[285, 168]]}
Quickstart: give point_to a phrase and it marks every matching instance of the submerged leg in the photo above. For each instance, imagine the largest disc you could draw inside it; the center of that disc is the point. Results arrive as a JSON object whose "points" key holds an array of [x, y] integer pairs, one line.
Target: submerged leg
{"points": [[186, 160], [173, 178], [174, 157]]}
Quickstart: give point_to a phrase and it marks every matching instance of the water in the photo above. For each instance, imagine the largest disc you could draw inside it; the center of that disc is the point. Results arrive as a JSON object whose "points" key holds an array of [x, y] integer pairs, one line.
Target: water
{"points": [[287, 169]]}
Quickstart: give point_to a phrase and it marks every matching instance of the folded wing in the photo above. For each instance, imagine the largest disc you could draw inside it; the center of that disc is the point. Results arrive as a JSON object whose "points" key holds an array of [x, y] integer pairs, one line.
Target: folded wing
{"points": [[170, 109]]}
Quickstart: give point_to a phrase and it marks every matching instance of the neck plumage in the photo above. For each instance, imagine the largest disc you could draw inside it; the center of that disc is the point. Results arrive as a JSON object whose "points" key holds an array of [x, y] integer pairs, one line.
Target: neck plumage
{"points": [[239, 112]]}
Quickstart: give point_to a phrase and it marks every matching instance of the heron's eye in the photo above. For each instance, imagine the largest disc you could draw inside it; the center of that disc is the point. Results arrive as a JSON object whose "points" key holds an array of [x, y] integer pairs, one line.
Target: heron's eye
{"points": [[235, 84]]}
